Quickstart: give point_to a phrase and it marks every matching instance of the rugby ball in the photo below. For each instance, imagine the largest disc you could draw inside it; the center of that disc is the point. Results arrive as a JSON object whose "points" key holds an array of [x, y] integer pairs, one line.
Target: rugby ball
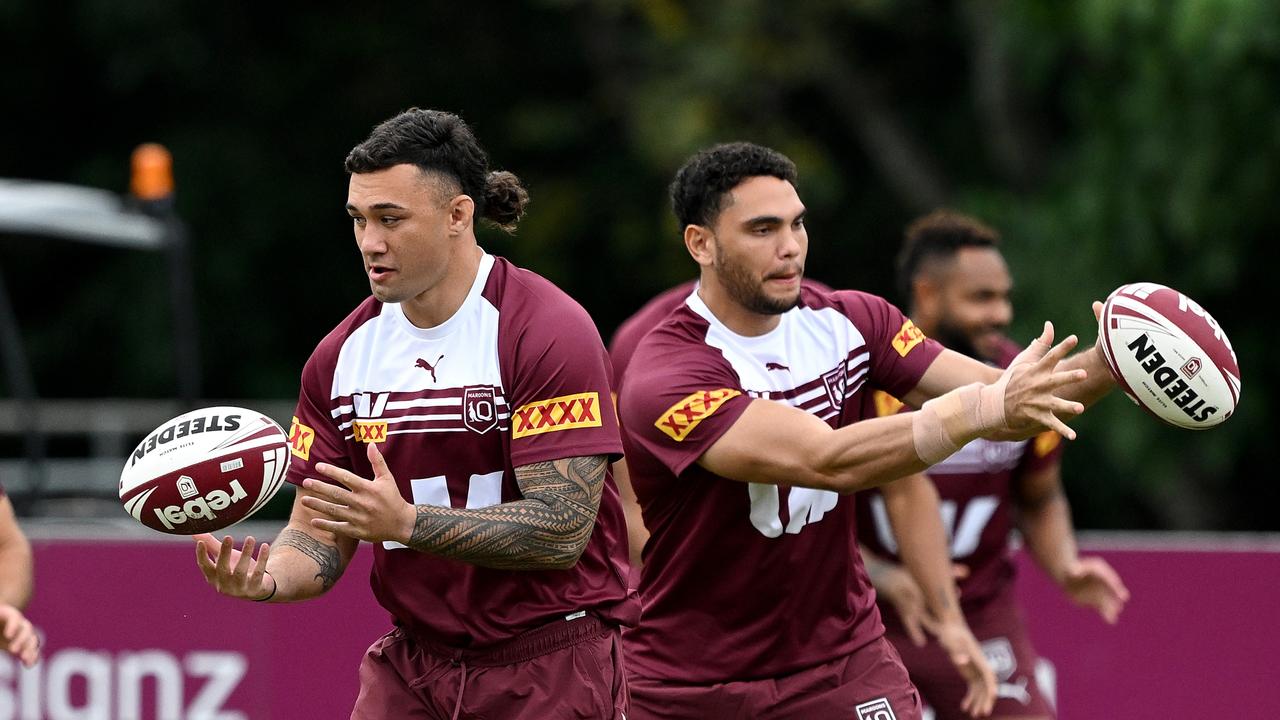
{"points": [[1169, 355], [205, 470]]}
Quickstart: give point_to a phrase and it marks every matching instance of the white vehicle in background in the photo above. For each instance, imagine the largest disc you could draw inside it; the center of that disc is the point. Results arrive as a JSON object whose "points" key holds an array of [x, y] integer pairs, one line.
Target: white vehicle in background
{"points": [[142, 220]]}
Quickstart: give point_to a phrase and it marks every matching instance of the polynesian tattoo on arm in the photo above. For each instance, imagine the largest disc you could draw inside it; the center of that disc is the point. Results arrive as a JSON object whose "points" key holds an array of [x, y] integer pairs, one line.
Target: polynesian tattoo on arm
{"points": [[548, 529], [327, 557]]}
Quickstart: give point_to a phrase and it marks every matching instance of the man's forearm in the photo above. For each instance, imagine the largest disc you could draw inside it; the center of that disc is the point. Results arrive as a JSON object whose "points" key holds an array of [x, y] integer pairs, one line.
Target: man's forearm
{"points": [[547, 530], [303, 566], [913, 512], [1046, 528], [16, 576], [16, 573]]}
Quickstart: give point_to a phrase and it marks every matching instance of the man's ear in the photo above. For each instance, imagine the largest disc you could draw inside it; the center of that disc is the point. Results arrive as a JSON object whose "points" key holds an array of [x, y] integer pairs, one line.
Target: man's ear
{"points": [[926, 298], [462, 210], [700, 242]]}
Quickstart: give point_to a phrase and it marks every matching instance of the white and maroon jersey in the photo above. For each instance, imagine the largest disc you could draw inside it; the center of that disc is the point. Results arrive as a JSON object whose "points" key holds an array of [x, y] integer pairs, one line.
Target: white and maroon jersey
{"points": [[518, 375], [976, 487], [632, 330], [745, 580]]}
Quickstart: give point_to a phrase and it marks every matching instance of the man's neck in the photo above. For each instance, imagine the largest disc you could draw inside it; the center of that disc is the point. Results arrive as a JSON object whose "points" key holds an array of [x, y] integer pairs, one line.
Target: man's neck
{"points": [[731, 313], [440, 302]]}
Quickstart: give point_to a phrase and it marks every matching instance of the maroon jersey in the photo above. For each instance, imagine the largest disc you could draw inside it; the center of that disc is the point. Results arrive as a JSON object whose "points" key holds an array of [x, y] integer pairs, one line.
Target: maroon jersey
{"points": [[628, 335], [518, 375], [975, 490], [745, 580]]}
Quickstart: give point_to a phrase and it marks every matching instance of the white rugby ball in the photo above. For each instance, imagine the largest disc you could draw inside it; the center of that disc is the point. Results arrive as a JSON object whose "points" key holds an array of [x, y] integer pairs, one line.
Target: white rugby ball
{"points": [[1169, 355], [205, 470]]}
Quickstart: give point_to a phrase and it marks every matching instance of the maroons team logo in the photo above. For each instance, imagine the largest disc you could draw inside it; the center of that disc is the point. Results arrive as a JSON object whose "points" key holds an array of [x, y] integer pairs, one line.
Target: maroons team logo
{"points": [[907, 338], [479, 408], [878, 709], [834, 380], [559, 413]]}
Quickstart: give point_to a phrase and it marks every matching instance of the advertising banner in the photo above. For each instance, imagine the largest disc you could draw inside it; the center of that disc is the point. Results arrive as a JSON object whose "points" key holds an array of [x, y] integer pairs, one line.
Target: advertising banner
{"points": [[132, 632]]}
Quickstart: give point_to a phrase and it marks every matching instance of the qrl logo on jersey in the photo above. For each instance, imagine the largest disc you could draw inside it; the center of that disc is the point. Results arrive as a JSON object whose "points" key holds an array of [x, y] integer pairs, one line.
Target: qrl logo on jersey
{"points": [[877, 709], [680, 419], [365, 431], [201, 507], [559, 413], [907, 338], [300, 439], [479, 408]]}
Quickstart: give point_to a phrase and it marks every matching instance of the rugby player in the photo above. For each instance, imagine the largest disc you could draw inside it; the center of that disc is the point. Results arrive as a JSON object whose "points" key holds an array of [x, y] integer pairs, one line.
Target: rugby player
{"points": [[460, 421]]}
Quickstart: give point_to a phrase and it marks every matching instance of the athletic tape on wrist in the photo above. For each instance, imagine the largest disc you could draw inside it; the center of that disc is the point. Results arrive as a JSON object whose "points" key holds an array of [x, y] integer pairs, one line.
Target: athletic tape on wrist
{"points": [[946, 423]]}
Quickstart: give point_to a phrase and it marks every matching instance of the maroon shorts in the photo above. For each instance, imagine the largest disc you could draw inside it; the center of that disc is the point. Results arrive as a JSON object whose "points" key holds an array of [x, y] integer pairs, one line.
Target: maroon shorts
{"points": [[999, 628], [566, 669], [869, 684]]}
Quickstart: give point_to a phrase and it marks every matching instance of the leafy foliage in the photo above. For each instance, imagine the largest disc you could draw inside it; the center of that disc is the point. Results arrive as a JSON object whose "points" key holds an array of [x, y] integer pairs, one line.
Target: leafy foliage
{"points": [[1110, 142]]}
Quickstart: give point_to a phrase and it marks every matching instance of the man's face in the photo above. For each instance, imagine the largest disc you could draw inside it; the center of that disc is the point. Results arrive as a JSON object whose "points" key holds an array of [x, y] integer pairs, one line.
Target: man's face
{"points": [[975, 309], [400, 217], [760, 245]]}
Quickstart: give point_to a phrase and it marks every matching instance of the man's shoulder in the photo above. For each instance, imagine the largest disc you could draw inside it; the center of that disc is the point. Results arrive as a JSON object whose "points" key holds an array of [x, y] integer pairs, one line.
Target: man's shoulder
{"points": [[681, 327], [510, 285], [853, 304], [650, 315]]}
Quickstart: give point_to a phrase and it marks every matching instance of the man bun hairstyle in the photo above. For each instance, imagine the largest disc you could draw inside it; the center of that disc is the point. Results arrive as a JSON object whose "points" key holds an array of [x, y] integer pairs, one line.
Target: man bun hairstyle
{"points": [[441, 143], [699, 189], [504, 199], [935, 237]]}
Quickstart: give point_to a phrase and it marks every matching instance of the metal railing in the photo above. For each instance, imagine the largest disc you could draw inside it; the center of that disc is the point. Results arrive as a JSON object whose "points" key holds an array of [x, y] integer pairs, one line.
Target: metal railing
{"points": [[86, 443]]}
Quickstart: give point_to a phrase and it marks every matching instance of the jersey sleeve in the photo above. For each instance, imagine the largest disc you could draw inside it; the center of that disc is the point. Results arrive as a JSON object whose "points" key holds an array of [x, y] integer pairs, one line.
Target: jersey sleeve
{"points": [[558, 383], [900, 352], [1042, 451], [675, 411], [314, 436], [886, 404]]}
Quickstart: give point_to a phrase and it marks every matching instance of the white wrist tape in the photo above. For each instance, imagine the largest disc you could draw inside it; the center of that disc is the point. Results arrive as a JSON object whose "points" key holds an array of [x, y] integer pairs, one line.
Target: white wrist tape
{"points": [[946, 423]]}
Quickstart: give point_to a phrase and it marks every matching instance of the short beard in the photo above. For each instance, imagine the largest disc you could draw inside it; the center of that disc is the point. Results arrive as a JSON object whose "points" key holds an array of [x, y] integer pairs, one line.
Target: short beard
{"points": [[746, 291], [956, 339]]}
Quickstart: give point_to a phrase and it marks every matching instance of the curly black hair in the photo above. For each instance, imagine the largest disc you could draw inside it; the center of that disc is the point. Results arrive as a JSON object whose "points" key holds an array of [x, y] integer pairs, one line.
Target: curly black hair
{"points": [[698, 190], [938, 236], [441, 143]]}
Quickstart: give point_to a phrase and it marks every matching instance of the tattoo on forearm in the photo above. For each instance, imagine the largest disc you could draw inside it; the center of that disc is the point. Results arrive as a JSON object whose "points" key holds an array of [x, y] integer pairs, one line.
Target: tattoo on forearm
{"points": [[548, 529], [325, 556]]}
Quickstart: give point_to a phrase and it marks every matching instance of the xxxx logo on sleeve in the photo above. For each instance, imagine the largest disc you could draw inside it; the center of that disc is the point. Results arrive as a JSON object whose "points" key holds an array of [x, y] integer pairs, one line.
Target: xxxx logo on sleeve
{"points": [[907, 338], [680, 419], [1046, 442], [559, 413], [886, 404], [369, 431], [300, 439]]}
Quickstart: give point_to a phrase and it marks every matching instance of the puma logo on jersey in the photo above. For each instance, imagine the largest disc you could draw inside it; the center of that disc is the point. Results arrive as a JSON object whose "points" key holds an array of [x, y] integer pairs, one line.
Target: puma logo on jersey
{"points": [[776, 366], [429, 367]]}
